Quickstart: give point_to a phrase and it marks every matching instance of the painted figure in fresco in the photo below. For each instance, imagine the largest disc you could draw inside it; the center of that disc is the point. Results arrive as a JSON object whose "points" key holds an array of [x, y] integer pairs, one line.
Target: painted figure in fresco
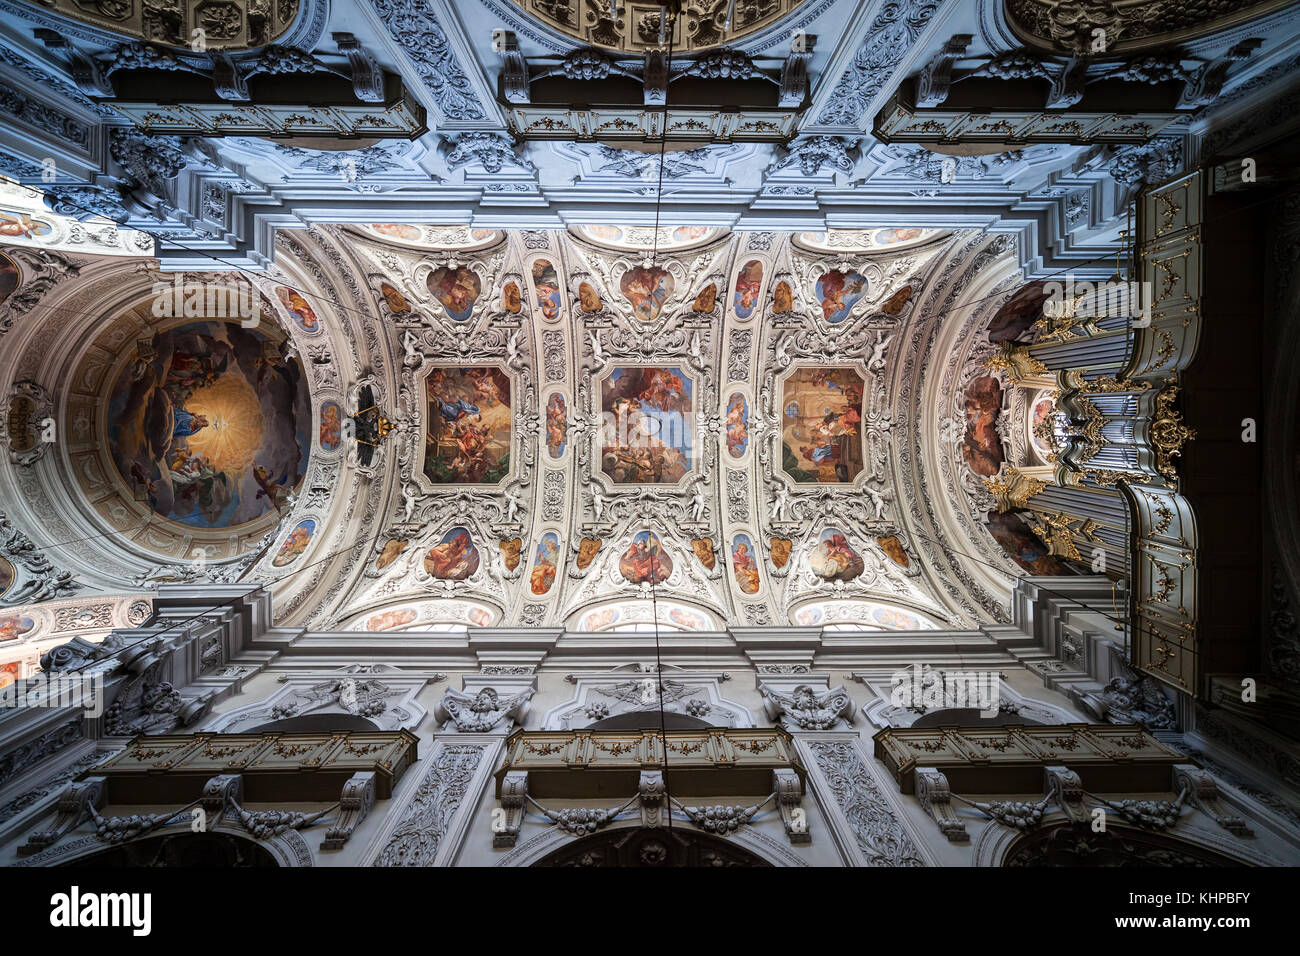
{"points": [[737, 426], [648, 440], [783, 298], [199, 407], [510, 299], [705, 301], [544, 566], [469, 425], [396, 301], [454, 558], [645, 562], [295, 544], [331, 426], [547, 285], [839, 293], [557, 423], [748, 282], [457, 289], [647, 290], [823, 424], [298, 307], [19, 225], [834, 558], [744, 564], [588, 298], [396, 230], [9, 277]]}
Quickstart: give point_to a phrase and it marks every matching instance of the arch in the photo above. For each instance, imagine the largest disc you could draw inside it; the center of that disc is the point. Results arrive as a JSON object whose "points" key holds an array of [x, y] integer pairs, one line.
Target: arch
{"points": [[768, 851], [1189, 844], [288, 849], [183, 850]]}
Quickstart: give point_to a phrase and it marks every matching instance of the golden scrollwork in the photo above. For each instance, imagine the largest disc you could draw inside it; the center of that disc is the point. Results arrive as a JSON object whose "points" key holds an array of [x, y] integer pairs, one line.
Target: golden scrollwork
{"points": [[1017, 362], [1012, 489], [1168, 434]]}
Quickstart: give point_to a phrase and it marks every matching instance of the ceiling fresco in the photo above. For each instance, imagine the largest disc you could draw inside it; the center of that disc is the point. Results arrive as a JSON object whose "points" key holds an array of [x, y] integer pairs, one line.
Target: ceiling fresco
{"points": [[430, 427]]}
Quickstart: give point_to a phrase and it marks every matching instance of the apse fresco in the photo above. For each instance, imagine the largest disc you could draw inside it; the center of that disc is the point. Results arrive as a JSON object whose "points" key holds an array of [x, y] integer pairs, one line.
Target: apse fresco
{"points": [[838, 292], [457, 289], [387, 620], [744, 563], [298, 308], [1012, 321], [13, 626], [981, 447], [1023, 546], [647, 290], [10, 277], [748, 281], [588, 298], [546, 283], [737, 424], [645, 561], [210, 424], [648, 421], [454, 558], [545, 563], [295, 544], [557, 423], [833, 559], [821, 426], [331, 426], [468, 440]]}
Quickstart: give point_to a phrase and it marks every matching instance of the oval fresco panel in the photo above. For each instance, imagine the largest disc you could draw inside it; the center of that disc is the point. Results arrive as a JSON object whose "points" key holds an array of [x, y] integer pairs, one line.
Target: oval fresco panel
{"points": [[331, 426], [295, 544], [645, 561], [298, 307], [748, 282], [599, 619], [737, 425], [557, 424], [688, 620], [744, 563], [833, 559], [454, 558], [397, 230], [545, 563], [546, 283], [210, 423], [838, 292], [647, 290], [457, 289]]}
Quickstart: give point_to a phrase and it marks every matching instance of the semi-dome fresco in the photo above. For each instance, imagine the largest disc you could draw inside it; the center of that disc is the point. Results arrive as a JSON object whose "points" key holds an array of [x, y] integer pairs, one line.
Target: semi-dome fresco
{"points": [[210, 423], [701, 433]]}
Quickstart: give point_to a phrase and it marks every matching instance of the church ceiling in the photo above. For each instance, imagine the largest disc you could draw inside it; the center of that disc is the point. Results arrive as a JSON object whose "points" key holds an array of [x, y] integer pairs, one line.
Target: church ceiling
{"points": [[404, 426]]}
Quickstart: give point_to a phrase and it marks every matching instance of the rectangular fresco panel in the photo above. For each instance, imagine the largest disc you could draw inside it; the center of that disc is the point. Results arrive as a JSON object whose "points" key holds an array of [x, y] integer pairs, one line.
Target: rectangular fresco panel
{"points": [[468, 439], [821, 425], [647, 435]]}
